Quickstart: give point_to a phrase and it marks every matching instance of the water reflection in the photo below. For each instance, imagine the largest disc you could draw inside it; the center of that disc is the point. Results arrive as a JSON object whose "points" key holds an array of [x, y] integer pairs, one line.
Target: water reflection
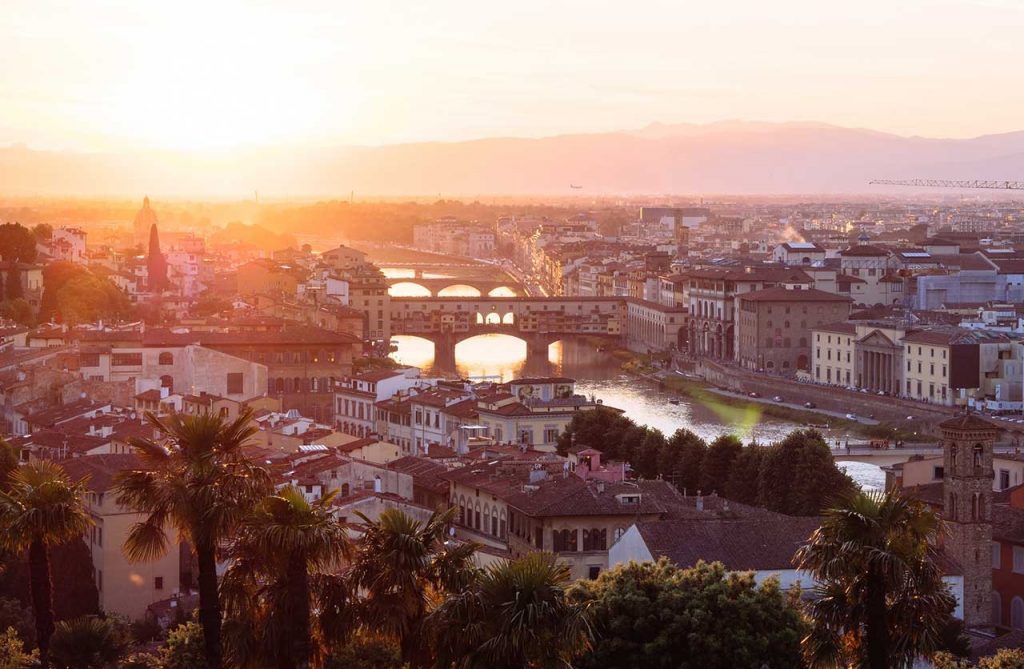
{"points": [[597, 373]]}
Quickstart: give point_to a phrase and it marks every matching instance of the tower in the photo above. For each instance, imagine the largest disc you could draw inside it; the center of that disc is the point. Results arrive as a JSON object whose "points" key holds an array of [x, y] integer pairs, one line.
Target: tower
{"points": [[967, 500], [145, 219], [156, 264]]}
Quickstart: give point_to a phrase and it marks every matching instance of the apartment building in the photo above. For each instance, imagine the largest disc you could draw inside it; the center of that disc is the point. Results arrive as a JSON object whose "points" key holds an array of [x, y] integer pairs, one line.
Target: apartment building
{"points": [[125, 588]]}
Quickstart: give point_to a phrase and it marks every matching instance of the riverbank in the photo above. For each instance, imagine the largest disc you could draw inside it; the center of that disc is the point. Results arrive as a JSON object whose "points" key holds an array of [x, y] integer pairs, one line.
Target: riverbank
{"points": [[738, 410]]}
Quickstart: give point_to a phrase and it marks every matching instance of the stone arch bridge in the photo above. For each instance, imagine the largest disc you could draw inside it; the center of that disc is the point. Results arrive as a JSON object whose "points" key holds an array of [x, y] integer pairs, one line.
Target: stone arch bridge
{"points": [[539, 321], [483, 288]]}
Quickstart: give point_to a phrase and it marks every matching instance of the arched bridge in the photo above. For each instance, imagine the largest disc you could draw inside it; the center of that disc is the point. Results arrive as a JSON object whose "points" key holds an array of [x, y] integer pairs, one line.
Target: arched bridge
{"points": [[435, 286], [538, 321], [884, 457]]}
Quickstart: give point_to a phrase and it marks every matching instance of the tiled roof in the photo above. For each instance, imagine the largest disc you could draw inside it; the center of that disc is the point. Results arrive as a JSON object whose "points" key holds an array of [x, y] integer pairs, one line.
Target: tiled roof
{"points": [[779, 294], [572, 496], [969, 422], [744, 544], [865, 250], [100, 469], [424, 472], [841, 328]]}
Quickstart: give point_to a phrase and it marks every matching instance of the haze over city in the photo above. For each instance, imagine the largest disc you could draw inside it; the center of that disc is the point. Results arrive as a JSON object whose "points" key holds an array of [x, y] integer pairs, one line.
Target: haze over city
{"points": [[229, 98], [565, 334]]}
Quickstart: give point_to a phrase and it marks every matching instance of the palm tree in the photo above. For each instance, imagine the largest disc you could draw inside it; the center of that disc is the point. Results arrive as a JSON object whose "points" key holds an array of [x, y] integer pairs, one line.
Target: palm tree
{"points": [[403, 567], [41, 507], [515, 614], [881, 599], [198, 481], [280, 560]]}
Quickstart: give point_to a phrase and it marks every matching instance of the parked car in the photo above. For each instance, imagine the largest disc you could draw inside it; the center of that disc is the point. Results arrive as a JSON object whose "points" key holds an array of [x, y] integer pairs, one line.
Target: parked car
{"points": [[753, 394], [851, 416], [778, 398], [810, 405]]}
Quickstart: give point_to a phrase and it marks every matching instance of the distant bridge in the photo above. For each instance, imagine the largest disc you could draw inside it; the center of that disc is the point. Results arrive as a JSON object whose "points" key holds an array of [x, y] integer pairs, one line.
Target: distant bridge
{"points": [[483, 287], [885, 457]]}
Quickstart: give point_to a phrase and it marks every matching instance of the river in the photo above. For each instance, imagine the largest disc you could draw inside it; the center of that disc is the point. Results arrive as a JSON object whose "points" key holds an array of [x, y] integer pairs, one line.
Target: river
{"points": [[502, 357]]}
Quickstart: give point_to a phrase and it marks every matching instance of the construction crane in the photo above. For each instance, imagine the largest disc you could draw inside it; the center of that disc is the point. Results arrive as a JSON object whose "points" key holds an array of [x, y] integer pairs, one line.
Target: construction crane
{"points": [[951, 183]]}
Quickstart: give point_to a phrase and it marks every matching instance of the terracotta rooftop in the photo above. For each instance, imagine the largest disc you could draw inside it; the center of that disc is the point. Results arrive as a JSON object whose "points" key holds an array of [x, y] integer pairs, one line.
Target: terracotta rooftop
{"points": [[779, 294], [100, 469], [741, 545], [969, 422]]}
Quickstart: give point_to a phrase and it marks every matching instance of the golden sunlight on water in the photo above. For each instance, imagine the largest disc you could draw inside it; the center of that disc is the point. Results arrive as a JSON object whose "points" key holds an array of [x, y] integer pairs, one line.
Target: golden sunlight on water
{"points": [[492, 355]]}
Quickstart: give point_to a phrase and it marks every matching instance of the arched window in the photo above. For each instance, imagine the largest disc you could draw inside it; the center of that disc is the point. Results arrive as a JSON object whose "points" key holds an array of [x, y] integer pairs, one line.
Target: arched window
{"points": [[1017, 613], [316, 385], [494, 522], [297, 384], [997, 608], [279, 386], [976, 510], [166, 358], [344, 489], [977, 455], [952, 456]]}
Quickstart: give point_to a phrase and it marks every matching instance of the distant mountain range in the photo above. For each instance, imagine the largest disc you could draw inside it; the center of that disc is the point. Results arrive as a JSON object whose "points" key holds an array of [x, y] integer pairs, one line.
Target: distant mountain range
{"points": [[728, 157]]}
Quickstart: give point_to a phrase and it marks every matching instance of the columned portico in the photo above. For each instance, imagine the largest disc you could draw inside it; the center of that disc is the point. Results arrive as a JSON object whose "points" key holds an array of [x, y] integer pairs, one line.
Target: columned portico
{"points": [[878, 361]]}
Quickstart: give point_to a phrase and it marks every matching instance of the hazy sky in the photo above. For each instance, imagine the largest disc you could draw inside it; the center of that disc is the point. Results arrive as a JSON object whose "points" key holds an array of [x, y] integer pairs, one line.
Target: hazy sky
{"points": [[189, 74]]}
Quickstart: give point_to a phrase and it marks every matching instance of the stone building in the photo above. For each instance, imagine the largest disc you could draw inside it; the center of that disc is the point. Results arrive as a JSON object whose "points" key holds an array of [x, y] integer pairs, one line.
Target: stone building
{"points": [[774, 326]]}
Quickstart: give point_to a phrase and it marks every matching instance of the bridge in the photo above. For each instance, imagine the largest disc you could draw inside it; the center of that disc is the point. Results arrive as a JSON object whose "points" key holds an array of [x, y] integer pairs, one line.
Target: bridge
{"points": [[483, 287], [886, 457], [539, 321]]}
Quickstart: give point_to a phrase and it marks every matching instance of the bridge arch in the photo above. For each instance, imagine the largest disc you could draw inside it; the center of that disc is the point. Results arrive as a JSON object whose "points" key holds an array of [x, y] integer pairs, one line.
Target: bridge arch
{"points": [[409, 289], [459, 290], [502, 291]]}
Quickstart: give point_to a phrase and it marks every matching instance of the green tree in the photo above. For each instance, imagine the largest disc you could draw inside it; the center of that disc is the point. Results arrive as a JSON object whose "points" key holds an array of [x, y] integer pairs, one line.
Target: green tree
{"points": [[402, 566], [681, 460], [514, 614], [19, 618], [17, 243], [645, 460], [282, 552], [881, 599], [799, 476], [602, 428], [89, 642], [1005, 658], [199, 482], [365, 651], [741, 486], [718, 462], [13, 654], [40, 508], [184, 648], [17, 310], [658, 616], [42, 232]]}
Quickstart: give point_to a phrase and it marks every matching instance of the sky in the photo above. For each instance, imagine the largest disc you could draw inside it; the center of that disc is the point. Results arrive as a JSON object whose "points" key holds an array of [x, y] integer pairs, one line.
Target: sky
{"points": [[210, 74]]}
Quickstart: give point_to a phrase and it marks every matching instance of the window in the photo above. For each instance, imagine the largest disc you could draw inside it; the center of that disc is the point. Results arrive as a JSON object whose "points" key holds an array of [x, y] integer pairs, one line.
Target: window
{"points": [[126, 359], [165, 358], [564, 541], [235, 383], [1016, 613], [1004, 479], [977, 456], [593, 571], [1018, 559], [997, 555], [158, 583], [938, 473]]}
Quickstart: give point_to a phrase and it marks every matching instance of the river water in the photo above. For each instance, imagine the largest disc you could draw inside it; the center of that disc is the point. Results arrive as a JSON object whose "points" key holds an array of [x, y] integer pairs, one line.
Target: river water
{"points": [[502, 357]]}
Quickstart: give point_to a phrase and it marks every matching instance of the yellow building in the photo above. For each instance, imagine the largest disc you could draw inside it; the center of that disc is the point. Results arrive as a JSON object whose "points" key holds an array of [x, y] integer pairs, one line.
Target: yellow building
{"points": [[125, 588]]}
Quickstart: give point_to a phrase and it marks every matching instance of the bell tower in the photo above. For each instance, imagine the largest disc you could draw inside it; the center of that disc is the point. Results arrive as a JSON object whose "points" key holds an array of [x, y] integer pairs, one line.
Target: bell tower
{"points": [[967, 509]]}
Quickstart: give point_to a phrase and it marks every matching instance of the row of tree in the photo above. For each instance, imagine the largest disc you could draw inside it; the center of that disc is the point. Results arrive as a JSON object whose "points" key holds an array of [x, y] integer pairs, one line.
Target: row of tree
{"points": [[796, 476], [300, 593]]}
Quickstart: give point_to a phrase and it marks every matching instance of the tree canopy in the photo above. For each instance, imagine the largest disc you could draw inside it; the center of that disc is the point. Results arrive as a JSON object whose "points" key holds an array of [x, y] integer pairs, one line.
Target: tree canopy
{"points": [[658, 616]]}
